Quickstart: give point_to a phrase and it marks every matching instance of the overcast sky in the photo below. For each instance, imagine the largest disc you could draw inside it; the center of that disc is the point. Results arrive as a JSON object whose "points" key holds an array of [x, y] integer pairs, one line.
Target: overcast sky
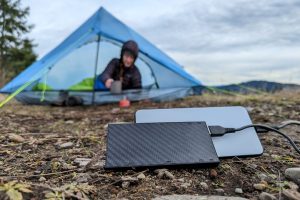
{"points": [[217, 41]]}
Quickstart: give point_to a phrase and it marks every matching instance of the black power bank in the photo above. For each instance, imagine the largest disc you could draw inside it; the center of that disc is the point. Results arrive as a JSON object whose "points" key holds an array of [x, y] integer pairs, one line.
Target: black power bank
{"points": [[154, 145]]}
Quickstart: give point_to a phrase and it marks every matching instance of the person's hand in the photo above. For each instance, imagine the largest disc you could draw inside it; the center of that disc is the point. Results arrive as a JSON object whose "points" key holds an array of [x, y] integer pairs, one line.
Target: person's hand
{"points": [[108, 82]]}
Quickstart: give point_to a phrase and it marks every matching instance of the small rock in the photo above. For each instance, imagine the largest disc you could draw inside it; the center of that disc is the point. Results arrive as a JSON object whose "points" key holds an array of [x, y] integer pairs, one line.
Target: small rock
{"points": [[161, 174], [125, 185], [264, 182], [291, 194], [37, 172], [66, 145], [158, 187], [67, 166], [213, 173], [293, 186], [249, 109], [141, 176], [185, 185], [16, 138], [266, 196], [220, 191], [96, 165], [83, 178], [262, 176], [293, 174], [157, 171], [238, 190], [180, 180], [115, 110], [42, 179], [169, 175], [276, 157], [253, 166], [82, 162], [105, 126], [260, 186], [204, 185], [164, 173], [69, 122]]}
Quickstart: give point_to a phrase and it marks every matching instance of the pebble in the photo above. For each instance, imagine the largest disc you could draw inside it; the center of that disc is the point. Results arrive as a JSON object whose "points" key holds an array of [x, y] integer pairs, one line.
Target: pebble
{"points": [[238, 190], [180, 180], [42, 179], [293, 186], [82, 162], [164, 173], [249, 109], [264, 182], [161, 174], [16, 138], [157, 171], [266, 196], [97, 165], [293, 174], [83, 178], [125, 185], [220, 191], [262, 176], [291, 194], [67, 166], [253, 166], [204, 185], [37, 172], [69, 122], [213, 173], [259, 186], [141, 176], [66, 145], [185, 185], [169, 175]]}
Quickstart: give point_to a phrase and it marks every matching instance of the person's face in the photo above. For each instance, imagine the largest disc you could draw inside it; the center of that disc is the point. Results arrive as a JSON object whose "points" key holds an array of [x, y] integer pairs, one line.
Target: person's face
{"points": [[127, 59]]}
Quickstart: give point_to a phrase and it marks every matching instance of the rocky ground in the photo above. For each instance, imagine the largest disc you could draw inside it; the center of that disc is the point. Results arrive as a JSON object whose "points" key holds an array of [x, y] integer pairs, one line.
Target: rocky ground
{"points": [[51, 152]]}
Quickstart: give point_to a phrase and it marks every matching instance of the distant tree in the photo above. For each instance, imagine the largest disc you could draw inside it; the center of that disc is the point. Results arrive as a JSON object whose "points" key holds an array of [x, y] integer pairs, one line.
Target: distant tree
{"points": [[16, 51]]}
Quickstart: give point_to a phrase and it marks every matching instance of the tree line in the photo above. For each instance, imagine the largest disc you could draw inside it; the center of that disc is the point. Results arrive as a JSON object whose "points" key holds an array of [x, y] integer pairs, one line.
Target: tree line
{"points": [[16, 49]]}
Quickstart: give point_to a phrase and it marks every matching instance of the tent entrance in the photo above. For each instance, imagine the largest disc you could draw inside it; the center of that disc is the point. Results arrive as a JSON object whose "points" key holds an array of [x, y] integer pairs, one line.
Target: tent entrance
{"points": [[78, 70]]}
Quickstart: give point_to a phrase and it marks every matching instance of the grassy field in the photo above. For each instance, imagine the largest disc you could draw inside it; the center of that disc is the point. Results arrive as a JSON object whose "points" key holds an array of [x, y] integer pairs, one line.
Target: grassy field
{"points": [[40, 147]]}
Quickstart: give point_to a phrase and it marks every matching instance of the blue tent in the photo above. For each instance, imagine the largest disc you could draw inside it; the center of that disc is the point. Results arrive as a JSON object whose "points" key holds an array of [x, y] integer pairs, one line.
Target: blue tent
{"points": [[70, 69]]}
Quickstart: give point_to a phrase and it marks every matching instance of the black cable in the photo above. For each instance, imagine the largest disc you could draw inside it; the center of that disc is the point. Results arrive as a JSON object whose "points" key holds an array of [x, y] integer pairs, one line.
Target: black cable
{"points": [[278, 127], [288, 123], [219, 131]]}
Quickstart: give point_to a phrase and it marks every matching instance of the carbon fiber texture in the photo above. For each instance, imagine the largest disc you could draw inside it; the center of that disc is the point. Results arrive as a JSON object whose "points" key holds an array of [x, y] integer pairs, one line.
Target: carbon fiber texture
{"points": [[159, 144]]}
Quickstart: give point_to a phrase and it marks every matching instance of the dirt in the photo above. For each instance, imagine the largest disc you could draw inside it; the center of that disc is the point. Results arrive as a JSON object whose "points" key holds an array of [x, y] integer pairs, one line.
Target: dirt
{"points": [[44, 129]]}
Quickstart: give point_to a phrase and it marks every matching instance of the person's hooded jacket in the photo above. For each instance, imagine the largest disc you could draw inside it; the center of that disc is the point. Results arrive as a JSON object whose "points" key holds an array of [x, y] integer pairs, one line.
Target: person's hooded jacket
{"points": [[130, 76]]}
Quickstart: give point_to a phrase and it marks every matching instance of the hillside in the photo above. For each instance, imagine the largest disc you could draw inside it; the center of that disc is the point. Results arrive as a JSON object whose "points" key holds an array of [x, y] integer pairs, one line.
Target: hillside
{"points": [[258, 87]]}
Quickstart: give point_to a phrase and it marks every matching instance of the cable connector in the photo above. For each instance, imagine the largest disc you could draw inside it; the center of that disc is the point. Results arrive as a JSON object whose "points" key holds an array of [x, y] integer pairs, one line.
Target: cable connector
{"points": [[217, 131]]}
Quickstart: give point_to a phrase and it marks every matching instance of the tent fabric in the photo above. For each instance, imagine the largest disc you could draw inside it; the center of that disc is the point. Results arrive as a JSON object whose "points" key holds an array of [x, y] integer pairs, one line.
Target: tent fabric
{"points": [[103, 97], [99, 27]]}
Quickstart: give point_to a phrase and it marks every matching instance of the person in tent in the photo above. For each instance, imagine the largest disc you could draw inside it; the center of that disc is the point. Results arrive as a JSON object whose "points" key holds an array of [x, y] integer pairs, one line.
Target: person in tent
{"points": [[123, 69]]}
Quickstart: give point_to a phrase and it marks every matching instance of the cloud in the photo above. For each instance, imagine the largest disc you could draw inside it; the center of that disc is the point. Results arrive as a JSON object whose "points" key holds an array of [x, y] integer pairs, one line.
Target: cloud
{"points": [[228, 41]]}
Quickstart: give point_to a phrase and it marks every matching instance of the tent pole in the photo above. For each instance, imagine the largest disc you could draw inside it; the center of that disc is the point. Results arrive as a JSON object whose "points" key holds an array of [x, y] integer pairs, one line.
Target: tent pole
{"points": [[95, 71]]}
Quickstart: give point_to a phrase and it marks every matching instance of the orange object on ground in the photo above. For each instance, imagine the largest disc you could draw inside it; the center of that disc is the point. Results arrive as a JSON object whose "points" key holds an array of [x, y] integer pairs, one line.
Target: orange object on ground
{"points": [[124, 103]]}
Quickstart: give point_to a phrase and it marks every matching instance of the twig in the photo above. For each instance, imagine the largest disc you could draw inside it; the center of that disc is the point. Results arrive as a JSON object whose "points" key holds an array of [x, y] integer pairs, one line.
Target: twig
{"points": [[113, 183], [39, 175]]}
